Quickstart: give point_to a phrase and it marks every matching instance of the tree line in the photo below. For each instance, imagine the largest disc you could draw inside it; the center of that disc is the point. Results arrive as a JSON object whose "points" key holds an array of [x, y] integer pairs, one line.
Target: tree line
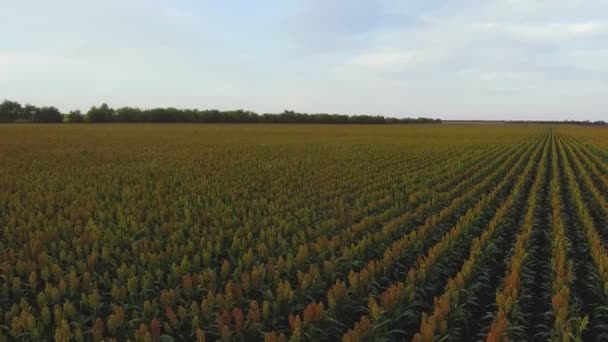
{"points": [[12, 111]]}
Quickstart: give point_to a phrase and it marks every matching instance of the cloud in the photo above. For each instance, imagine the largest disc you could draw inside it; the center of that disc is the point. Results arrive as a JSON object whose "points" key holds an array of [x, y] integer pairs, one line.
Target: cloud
{"points": [[548, 32], [385, 59], [471, 58]]}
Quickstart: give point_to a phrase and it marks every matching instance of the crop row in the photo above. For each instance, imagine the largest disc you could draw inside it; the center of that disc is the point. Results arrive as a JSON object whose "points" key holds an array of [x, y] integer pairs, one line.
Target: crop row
{"points": [[303, 234]]}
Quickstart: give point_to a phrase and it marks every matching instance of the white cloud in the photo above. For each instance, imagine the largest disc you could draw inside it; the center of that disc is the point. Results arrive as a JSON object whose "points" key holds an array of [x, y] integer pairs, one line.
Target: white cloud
{"points": [[549, 32], [469, 58], [385, 59]]}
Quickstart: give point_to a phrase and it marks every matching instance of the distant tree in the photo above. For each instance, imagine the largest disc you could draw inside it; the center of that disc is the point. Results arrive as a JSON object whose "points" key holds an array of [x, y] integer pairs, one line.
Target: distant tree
{"points": [[128, 114], [101, 114], [28, 112], [47, 115], [10, 111], [212, 115], [75, 116]]}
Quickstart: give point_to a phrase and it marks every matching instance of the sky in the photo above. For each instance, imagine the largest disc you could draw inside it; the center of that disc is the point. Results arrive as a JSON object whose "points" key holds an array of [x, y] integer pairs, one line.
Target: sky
{"points": [[509, 59]]}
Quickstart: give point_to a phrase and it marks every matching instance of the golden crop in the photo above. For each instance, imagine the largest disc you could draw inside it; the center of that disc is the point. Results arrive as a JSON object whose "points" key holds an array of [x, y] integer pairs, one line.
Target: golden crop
{"points": [[303, 232]]}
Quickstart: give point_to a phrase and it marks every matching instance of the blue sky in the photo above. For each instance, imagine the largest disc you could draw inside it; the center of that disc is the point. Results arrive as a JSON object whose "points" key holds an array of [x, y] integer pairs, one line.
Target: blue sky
{"points": [[510, 59]]}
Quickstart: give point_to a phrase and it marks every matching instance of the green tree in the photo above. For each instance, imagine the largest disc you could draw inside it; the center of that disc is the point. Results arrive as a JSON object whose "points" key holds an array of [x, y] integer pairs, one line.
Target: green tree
{"points": [[101, 114], [47, 115], [10, 111], [128, 114], [28, 112], [75, 116]]}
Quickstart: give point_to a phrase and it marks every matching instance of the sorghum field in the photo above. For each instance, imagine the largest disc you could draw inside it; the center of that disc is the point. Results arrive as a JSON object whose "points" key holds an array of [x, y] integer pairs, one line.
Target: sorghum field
{"points": [[303, 232]]}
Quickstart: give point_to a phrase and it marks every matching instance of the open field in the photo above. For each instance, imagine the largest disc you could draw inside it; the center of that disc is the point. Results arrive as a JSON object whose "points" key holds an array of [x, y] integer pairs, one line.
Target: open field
{"points": [[303, 232]]}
